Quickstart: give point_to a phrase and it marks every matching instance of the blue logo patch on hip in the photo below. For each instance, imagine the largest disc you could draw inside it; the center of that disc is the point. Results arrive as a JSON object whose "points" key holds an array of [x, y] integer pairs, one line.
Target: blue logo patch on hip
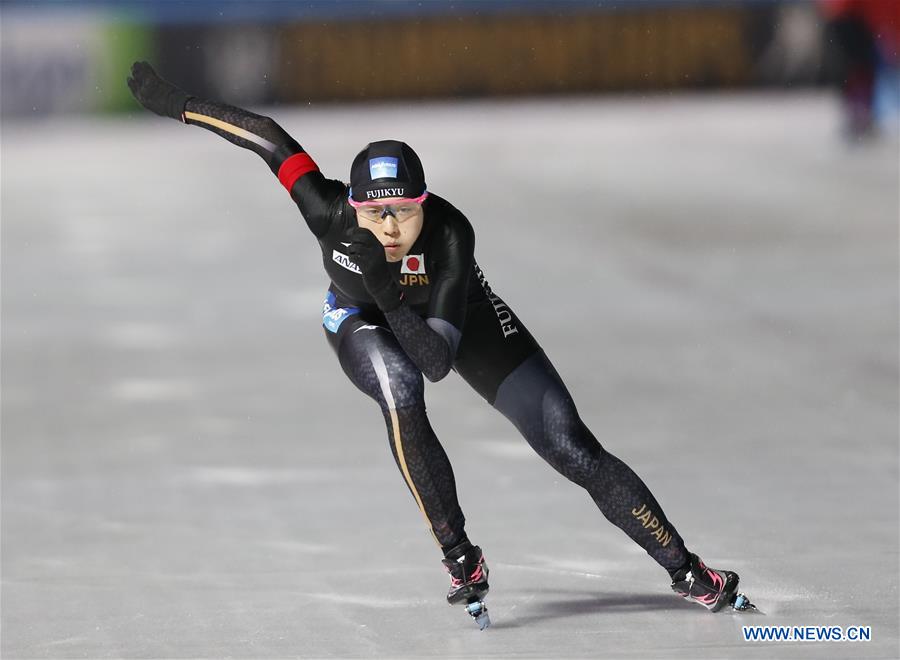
{"points": [[384, 166], [332, 316]]}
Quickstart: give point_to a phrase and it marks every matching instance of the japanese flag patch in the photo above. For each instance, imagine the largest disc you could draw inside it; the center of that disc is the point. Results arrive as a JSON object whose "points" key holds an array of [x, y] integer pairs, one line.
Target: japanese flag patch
{"points": [[413, 264]]}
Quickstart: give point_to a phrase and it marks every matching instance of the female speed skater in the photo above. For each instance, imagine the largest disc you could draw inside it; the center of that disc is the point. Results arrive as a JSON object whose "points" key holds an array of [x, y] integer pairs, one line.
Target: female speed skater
{"points": [[407, 300]]}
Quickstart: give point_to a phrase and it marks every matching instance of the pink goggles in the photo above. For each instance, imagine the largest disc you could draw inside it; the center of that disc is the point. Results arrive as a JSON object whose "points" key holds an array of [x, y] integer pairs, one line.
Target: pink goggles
{"points": [[395, 201]]}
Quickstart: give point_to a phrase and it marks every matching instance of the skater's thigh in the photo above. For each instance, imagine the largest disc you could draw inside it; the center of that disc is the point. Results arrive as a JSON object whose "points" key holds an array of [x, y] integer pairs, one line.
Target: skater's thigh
{"points": [[494, 343], [506, 365], [373, 360]]}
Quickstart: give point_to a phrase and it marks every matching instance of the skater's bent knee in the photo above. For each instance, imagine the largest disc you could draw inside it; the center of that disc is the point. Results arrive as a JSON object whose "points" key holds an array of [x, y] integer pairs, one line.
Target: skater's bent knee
{"points": [[398, 386], [573, 460], [569, 446], [407, 388]]}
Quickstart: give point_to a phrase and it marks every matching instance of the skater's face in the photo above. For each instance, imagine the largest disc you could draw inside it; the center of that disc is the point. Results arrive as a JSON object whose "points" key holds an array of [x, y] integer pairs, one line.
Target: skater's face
{"points": [[396, 222]]}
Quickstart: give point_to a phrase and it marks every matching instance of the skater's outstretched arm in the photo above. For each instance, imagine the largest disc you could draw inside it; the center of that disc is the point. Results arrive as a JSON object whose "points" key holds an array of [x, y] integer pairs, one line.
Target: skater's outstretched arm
{"points": [[314, 195]]}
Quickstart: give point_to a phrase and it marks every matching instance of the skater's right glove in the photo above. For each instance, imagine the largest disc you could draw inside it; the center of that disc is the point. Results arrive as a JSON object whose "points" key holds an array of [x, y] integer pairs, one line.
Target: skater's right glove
{"points": [[367, 253], [156, 94]]}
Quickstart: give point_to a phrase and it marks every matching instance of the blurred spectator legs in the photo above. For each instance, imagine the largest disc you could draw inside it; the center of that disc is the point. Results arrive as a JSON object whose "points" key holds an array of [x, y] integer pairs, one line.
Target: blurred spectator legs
{"points": [[865, 35]]}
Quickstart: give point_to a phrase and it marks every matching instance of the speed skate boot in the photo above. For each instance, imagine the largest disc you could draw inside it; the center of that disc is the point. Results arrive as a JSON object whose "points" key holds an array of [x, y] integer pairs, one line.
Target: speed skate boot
{"points": [[710, 587], [468, 581]]}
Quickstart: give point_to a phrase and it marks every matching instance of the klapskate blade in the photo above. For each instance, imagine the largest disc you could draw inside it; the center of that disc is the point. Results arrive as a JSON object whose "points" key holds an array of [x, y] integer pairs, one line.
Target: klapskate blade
{"points": [[742, 605]]}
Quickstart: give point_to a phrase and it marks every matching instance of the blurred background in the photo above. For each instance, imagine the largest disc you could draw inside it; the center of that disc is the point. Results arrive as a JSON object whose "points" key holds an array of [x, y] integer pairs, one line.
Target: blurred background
{"points": [[63, 57], [692, 204]]}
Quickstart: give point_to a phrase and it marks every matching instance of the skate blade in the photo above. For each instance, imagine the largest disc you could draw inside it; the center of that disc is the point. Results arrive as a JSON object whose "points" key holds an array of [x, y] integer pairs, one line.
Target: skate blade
{"points": [[742, 604], [478, 611]]}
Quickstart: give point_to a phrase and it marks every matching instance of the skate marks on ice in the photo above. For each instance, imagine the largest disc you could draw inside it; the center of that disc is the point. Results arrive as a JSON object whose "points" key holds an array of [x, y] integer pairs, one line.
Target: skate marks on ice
{"points": [[254, 477], [136, 390], [367, 600], [144, 336], [510, 450]]}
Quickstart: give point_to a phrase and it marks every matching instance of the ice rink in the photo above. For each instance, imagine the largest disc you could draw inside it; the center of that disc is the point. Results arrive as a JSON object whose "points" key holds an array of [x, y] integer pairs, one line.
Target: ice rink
{"points": [[187, 473]]}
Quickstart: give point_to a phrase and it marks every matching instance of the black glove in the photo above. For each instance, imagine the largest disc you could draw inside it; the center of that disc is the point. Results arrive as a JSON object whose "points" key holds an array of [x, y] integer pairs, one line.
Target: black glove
{"points": [[156, 94], [368, 253]]}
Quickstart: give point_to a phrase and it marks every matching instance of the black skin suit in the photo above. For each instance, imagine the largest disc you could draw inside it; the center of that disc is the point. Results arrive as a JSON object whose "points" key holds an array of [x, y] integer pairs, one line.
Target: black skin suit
{"points": [[449, 318]]}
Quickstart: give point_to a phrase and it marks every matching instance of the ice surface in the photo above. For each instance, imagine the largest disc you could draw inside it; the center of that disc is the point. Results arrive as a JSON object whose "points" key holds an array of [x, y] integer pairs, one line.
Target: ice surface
{"points": [[187, 473]]}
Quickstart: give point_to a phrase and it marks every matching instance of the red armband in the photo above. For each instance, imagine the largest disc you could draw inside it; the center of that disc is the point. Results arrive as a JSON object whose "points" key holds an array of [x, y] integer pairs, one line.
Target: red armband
{"points": [[295, 167]]}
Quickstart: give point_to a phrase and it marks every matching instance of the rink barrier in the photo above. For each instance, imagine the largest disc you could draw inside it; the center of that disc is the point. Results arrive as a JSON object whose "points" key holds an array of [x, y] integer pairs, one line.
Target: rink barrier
{"points": [[682, 47], [57, 61]]}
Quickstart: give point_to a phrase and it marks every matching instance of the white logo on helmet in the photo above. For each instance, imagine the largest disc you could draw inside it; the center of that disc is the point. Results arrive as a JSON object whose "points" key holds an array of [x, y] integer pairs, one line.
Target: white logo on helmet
{"points": [[383, 167]]}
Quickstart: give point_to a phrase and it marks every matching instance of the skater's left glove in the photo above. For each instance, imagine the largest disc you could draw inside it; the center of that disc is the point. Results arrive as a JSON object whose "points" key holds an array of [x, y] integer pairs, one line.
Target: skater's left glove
{"points": [[155, 94], [367, 252]]}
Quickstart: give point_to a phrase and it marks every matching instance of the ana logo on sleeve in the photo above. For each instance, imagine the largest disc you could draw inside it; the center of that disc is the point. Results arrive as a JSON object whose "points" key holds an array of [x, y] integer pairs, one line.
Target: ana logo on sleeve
{"points": [[383, 167], [343, 260]]}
